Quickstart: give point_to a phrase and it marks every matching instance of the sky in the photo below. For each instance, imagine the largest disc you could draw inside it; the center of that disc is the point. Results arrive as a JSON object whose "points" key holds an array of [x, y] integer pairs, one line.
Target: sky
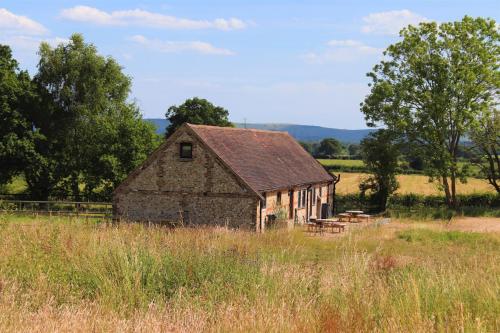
{"points": [[298, 62]]}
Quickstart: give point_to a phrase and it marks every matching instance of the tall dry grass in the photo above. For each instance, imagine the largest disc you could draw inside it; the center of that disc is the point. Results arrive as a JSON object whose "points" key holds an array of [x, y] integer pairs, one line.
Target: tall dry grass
{"points": [[416, 184], [68, 275]]}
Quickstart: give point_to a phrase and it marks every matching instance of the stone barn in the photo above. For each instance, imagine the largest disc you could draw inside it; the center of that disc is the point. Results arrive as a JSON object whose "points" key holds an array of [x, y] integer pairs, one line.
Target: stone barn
{"points": [[208, 175]]}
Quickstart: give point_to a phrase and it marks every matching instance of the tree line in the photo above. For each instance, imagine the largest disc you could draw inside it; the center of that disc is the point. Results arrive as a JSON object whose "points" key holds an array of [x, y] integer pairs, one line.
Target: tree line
{"points": [[72, 131]]}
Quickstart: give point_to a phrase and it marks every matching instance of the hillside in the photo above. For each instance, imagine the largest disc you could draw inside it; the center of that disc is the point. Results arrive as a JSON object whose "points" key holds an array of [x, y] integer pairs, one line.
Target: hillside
{"points": [[299, 132]]}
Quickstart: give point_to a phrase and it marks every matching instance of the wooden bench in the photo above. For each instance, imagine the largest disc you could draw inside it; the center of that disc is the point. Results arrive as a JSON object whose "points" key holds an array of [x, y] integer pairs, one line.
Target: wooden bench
{"points": [[363, 217], [336, 225], [344, 217]]}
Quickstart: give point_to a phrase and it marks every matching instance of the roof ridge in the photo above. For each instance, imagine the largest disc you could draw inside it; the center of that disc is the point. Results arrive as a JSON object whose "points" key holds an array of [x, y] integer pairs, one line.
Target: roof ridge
{"points": [[237, 129]]}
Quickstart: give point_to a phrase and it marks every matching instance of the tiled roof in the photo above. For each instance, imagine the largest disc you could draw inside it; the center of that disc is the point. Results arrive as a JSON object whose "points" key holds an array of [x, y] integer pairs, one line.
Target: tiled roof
{"points": [[265, 160]]}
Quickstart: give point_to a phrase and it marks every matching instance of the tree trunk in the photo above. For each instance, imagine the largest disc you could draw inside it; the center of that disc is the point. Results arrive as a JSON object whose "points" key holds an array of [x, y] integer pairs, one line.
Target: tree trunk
{"points": [[453, 185], [446, 187], [75, 188]]}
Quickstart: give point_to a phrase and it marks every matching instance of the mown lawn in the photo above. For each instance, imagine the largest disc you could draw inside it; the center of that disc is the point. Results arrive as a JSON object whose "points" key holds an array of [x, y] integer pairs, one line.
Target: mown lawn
{"points": [[417, 184], [68, 275]]}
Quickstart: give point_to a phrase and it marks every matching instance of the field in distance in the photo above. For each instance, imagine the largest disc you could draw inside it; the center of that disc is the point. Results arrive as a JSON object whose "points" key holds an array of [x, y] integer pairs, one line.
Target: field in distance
{"points": [[70, 275], [417, 184]]}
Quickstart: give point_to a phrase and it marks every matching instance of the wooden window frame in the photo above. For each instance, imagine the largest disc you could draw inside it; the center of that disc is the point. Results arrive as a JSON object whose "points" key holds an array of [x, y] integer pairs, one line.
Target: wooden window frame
{"points": [[181, 151]]}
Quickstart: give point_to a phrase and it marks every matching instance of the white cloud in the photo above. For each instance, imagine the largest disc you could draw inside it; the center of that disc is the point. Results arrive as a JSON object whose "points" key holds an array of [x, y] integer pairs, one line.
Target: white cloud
{"points": [[180, 46], [12, 23], [139, 17], [342, 51], [30, 43], [391, 22]]}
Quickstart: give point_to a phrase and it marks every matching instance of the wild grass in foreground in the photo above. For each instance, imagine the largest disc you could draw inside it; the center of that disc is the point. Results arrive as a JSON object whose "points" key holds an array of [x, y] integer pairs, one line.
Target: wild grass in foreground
{"points": [[77, 276]]}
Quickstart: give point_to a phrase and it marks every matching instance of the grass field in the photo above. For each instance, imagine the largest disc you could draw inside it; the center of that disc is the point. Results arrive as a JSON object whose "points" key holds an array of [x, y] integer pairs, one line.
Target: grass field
{"points": [[67, 275], [346, 163], [418, 184]]}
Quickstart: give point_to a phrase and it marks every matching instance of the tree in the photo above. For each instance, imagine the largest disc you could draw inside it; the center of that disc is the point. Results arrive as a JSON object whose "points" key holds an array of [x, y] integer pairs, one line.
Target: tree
{"points": [[308, 146], [486, 139], [354, 150], [431, 88], [16, 136], [196, 111], [329, 147], [90, 136], [380, 152]]}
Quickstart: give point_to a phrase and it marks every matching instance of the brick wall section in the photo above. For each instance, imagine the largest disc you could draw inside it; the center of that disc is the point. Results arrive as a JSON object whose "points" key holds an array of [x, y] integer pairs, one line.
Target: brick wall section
{"points": [[200, 191]]}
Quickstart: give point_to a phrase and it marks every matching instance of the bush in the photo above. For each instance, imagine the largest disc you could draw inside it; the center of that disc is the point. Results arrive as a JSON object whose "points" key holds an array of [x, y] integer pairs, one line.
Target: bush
{"points": [[406, 205]]}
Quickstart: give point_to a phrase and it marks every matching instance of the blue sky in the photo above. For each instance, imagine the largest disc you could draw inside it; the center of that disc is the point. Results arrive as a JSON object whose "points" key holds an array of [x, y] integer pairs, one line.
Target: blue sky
{"points": [[300, 62]]}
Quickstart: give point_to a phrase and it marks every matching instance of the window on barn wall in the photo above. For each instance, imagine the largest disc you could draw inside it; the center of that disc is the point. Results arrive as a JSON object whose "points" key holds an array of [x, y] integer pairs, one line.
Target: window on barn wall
{"points": [[264, 202], [303, 198], [314, 197], [320, 189], [299, 204], [278, 199], [186, 150]]}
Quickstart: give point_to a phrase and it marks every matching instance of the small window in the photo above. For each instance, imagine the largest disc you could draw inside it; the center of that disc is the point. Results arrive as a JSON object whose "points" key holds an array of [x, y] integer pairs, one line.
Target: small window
{"points": [[278, 199], [320, 190], [314, 197], [186, 150], [303, 198], [264, 202], [299, 204]]}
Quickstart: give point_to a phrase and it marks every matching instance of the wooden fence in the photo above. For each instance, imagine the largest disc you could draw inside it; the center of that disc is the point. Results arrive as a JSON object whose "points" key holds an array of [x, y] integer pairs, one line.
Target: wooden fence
{"points": [[101, 210]]}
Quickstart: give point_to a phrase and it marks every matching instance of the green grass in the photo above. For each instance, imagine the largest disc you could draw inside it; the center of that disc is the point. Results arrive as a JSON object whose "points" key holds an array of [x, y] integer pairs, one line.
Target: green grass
{"points": [[347, 163], [67, 274]]}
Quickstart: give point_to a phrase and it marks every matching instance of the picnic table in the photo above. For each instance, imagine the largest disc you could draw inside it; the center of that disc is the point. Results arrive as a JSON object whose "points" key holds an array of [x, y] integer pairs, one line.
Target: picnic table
{"points": [[333, 224], [354, 215]]}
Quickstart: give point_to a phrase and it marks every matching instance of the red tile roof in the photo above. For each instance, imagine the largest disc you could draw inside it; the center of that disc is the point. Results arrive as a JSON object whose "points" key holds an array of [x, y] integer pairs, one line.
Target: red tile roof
{"points": [[265, 160]]}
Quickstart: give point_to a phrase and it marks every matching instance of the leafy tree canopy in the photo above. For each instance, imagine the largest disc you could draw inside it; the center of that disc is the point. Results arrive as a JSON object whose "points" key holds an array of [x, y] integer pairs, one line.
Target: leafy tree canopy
{"points": [[16, 137], [91, 136], [432, 87], [486, 139], [196, 111], [330, 147]]}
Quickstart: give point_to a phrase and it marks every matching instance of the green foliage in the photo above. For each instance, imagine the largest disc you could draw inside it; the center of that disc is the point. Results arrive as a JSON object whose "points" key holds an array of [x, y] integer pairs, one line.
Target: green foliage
{"points": [[432, 88], [424, 206], [486, 139], [89, 136], [196, 111], [354, 150], [329, 147], [310, 147], [16, 136], [380, 155]]}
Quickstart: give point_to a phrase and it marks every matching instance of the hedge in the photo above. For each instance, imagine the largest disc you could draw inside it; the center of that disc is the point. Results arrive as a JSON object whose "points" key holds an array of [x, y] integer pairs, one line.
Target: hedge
{"points": [[356, 201]]}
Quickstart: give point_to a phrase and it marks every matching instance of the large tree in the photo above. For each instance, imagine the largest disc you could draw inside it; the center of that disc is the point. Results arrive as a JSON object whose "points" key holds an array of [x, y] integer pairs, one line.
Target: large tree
{"points": [[196, 111], [430, 88], [380, 152], [90, 135], [329, 147], [16, 135]]}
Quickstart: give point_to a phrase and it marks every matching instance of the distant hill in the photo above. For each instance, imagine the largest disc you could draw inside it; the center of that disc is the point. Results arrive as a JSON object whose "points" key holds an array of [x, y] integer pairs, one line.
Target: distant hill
{"points": [[299, 132]]}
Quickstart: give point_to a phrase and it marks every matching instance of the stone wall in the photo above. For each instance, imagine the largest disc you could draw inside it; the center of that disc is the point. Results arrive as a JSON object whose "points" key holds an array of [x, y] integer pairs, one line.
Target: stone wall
{"points": [[199, 191]]}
